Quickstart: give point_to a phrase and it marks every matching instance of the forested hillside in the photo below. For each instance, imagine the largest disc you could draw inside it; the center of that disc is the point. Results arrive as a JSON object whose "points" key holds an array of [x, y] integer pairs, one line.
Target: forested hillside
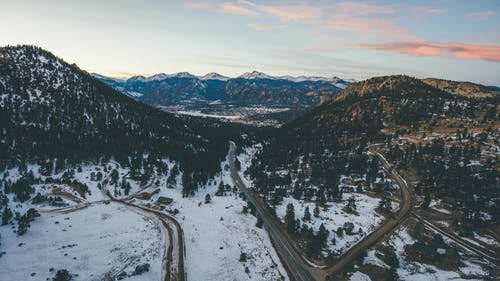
{"points": [[55, 114], [445, 142]]}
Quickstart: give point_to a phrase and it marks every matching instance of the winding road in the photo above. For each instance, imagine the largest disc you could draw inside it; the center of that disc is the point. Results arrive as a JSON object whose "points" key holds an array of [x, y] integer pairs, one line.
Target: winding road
{"points": [[300, 270]]}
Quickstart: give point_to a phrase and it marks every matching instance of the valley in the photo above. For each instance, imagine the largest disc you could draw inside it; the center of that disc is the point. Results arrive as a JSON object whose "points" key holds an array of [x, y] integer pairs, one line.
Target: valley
{"points": [[253, 98], [248, 178]]}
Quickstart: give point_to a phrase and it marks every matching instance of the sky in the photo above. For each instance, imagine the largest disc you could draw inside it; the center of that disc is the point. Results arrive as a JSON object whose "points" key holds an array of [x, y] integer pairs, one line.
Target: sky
{"points": [[450, 39]]}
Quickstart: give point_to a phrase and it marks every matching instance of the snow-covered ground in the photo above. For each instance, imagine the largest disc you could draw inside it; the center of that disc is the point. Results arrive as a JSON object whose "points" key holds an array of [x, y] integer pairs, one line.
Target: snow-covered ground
{"points": [[108, 237], [333, 217], [92, 243], [332, 214], [218, 232], [411, 270], [434, 205]]}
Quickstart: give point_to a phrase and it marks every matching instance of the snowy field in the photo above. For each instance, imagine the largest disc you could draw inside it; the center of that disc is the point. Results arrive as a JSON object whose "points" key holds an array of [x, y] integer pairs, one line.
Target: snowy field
{"points": [[106, 239], [218, 232], [92, 243]]}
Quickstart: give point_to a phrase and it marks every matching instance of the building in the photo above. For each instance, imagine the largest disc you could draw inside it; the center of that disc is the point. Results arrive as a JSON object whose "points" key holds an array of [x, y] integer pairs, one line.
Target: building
{"points": [[162, 200]]}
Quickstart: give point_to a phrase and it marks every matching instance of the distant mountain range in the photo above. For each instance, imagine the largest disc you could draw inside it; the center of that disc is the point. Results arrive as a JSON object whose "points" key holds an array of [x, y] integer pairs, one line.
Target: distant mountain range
{"points": [[251, 88]]}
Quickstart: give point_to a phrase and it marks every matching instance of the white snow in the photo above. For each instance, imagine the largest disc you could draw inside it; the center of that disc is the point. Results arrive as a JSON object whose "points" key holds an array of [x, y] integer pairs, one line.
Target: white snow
{"points": [[358, 276], [334, 217], [135, 94], [200, 114], [213, 76], [103, 239], [214, 246], [409, 270], [436, 202]]}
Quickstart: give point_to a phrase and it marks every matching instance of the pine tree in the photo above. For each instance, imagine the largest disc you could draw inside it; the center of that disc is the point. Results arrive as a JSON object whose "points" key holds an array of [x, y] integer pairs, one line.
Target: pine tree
{"points": [[208, 199], [297, 192], [220, 189], [316, 212], [322, 236], [290, 219], [350, 207], [172, 178], [62, 275], [6, 216], [307, 214], [22, 189]]}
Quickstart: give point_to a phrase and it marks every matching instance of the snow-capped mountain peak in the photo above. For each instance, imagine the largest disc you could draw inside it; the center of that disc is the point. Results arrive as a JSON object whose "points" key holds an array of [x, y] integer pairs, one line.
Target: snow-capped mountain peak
{"points": [[183, 75], [256, 75], [161, 76], [214, 76]]}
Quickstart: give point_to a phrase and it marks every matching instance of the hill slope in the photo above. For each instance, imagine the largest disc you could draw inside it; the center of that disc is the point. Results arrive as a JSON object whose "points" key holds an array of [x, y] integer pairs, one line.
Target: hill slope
{"points": [[465, 89], [434, 135], [52, 110]]}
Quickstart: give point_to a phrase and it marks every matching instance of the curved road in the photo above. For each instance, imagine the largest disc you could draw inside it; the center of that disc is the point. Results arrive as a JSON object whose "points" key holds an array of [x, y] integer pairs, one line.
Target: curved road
{"points": [[292, 259], [173, 261], [407, 203]]}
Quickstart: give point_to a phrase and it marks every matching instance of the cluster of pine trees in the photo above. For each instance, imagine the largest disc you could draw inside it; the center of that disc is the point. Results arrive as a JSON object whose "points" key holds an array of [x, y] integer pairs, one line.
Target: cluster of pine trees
{"points": [[446, 169]]}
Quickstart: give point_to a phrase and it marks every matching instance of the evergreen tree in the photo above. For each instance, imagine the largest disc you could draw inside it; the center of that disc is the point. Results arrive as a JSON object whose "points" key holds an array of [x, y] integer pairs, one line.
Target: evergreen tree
{"points": [[220, 189], [307, 214], [22, 189], [290, 219], [350, 207], [316, 212], [322, 236], [6, 216], [297, 192], [62, 275]]}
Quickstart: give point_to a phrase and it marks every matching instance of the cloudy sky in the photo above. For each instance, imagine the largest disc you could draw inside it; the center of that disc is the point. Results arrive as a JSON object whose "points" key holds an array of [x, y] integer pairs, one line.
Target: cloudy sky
{"points": [[450, 39]]}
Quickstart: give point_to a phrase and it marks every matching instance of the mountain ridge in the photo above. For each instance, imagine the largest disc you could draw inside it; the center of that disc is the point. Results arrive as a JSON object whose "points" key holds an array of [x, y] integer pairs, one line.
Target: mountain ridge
{"points": [[253, 88]]}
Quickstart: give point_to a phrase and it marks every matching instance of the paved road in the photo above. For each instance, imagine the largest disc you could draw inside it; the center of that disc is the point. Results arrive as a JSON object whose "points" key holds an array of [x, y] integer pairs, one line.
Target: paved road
{"points": [[298, 270], [407, 203], [292, 260]]}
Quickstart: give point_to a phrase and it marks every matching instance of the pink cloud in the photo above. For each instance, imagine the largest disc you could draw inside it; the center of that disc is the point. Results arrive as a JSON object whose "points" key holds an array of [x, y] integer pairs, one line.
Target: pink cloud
{"points": [[480, 15], [425, 49], [302, 13], [260, 27], [364, 9], [237, 9]]}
